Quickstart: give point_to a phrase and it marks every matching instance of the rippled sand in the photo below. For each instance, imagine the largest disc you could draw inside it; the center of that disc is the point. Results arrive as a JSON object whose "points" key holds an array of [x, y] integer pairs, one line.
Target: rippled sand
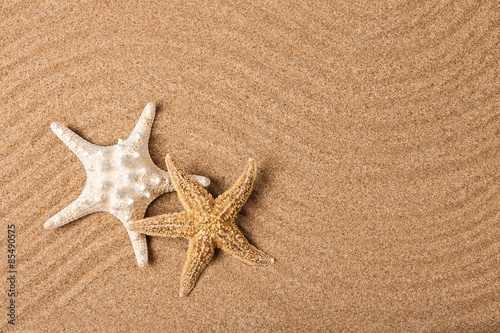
{"points": [[376, 133]]}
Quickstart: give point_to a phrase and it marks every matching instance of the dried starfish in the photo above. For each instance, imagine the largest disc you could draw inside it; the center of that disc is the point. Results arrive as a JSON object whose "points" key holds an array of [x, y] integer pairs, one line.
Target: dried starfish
{"points": [[207, 223], [121, 179]]}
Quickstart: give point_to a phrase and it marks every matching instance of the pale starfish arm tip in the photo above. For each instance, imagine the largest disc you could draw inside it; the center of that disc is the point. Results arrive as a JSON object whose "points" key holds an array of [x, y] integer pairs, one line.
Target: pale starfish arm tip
{"points": [[142, 130], [149, 110], [55, 221], [50, 224], [78, 208], [54, 126], [59, 129], [140, 247], [79, 146], [203, 181]]}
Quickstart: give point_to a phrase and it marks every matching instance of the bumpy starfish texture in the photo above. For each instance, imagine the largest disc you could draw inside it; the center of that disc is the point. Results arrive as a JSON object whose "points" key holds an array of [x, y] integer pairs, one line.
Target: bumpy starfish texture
{"points": [[121, 179], [207, 223]]}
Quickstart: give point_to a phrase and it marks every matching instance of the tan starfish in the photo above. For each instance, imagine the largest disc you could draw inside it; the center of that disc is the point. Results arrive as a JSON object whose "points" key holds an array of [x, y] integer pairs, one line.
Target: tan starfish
{"points": [[207, 223]]}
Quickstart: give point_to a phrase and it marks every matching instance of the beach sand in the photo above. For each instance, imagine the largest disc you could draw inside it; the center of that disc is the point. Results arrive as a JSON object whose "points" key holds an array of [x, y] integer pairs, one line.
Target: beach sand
{"points": [[375, 128]]}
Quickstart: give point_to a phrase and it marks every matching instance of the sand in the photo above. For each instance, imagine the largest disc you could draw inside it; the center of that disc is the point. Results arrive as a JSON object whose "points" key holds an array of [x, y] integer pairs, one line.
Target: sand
{"points": [[375, 128]]}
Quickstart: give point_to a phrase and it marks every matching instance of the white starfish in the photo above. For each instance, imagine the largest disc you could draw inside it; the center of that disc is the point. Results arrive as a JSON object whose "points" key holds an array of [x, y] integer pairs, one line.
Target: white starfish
{"points": [[121, 179]]}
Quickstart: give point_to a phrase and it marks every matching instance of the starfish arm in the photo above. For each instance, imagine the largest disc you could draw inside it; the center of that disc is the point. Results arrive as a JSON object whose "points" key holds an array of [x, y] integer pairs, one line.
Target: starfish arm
{"points": [[80, 207], [167, 225], [193, 197], [230, 202], [140, 135], [140, 246], [138, 240], [232, 240], [200, 252], [79, 146], [202, 180], [161, 182]]}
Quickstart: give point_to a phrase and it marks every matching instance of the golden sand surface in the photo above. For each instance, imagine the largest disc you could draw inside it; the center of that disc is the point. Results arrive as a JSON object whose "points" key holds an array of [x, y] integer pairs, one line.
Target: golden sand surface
{"points": [[376, 131]]}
